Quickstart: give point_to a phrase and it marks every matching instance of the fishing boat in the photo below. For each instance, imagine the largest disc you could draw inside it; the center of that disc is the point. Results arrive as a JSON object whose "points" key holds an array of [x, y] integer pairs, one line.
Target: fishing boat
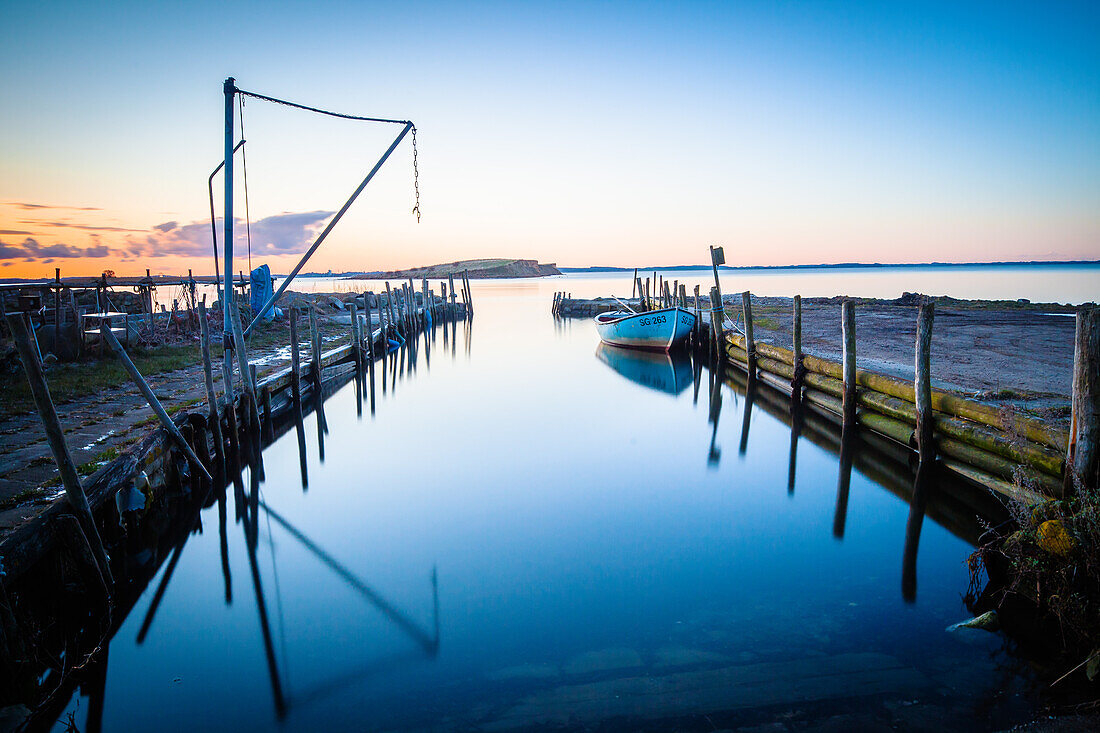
{"points": [[657, 329]]}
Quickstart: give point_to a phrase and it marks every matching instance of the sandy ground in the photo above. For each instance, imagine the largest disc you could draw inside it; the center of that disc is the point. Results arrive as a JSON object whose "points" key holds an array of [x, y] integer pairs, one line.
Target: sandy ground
{"points": [[1022, 357]]}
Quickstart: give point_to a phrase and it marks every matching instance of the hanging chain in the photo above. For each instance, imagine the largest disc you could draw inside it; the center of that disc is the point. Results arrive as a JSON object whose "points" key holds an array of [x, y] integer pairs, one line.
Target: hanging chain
{"points": [[416, 179], [244, 170]]}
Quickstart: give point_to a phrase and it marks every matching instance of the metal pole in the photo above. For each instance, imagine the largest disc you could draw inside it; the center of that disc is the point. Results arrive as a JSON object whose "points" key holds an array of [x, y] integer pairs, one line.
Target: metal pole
{"points": [[213, 222], [230, 90], [339, 214]]}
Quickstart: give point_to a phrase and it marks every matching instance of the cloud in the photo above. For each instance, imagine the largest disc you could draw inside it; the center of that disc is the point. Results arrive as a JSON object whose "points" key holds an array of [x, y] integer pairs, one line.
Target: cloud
{"points": [[13, 231], [281, 234], [85, 227], [31, 250], [31, 207]]}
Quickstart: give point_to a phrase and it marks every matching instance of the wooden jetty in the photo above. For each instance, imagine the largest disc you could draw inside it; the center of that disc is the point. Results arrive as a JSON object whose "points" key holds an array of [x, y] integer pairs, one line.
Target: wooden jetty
{"points": [[86, 535], [1016, 455]]}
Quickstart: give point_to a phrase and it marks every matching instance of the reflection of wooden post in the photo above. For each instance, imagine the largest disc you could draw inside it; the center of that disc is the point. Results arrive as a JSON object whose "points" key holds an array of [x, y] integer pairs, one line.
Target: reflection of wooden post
{"points": [[1083, 455], [848, 329], [55, 437]]}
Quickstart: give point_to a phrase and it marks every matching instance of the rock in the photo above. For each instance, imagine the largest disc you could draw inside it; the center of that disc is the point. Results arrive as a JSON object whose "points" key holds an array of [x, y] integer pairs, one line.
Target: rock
{"points": [[1055, 539], [338, 304], [680, 656], [988, 621], [603, 660], [14, 717], [524, 672]]}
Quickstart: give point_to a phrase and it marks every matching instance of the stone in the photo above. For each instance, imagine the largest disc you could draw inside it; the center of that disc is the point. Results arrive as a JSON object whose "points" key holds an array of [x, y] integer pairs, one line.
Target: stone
{"points": [[1055, 539], [988, 621], [603, 660]]}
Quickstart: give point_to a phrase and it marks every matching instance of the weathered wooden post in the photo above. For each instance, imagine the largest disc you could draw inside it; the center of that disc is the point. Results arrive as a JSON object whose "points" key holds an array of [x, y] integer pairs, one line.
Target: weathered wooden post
{"points": [[799, 369], [315, 350], [922, 482], [750, 342], [154, 403], [451, 290], [55, 437], [848, 329], [57, 312], [1083, 453], [469, 294], [633, 283], [295, 362], [389, 305], [356, 341], [698, 329], [211, 395], [922, 383], [717, 257], [717, 327]]}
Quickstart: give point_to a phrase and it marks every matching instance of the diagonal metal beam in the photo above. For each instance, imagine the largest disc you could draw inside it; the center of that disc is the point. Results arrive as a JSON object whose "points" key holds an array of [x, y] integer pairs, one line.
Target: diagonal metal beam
{"points": [[321, 238]]}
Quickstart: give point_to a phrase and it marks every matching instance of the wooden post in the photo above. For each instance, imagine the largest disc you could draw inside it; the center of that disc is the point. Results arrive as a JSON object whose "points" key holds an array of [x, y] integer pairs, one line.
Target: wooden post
{"points": [[211, 395], [717, 327], [848, 330], [469, 294], [315, 350], [154, 403], [750, 342], [717, 257], [356, 341], [1083, 456], [634, 283], [269, 425], [55, 436], [922, 383], [295, 362], [799, 370], [57, 312], [451, 290], [698, 314], [389, 304], [68, 530]]}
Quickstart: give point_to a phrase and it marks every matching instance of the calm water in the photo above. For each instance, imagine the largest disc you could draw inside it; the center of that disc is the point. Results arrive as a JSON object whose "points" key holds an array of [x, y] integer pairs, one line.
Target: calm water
{"points": [[586, 519]]}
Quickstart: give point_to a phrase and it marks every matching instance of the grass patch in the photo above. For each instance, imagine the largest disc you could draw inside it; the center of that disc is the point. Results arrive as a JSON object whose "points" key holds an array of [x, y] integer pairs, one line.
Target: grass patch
{"points": [[23, 497]]}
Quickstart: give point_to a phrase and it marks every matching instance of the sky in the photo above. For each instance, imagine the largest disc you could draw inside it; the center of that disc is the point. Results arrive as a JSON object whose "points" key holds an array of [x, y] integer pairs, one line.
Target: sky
{"points": [[595, 133]]}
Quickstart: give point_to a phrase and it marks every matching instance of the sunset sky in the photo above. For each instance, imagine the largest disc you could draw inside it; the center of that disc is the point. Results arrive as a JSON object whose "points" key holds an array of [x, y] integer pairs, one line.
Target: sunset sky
{"points": [[576, 133]]}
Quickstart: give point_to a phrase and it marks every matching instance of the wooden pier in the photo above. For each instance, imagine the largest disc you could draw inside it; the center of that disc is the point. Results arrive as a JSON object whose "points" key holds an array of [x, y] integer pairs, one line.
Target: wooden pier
{"points": [[1016, 455]]}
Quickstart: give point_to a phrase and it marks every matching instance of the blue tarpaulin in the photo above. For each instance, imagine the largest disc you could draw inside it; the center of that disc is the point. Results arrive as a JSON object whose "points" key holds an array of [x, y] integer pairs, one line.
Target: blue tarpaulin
{"points": [[262, 289]]}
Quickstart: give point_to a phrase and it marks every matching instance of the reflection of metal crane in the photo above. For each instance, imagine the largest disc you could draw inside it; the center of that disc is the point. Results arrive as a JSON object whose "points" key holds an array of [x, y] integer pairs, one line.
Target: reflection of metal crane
{"points": [[430, 642]]}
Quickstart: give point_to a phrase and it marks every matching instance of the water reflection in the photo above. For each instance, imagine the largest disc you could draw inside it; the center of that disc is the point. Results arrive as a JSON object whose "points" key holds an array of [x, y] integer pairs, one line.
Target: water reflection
{"points": [[657, 370], [560, 560]]}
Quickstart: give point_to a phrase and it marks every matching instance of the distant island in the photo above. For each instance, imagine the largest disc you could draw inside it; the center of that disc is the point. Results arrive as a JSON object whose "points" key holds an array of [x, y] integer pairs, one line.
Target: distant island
{"points": [[486, 268]]}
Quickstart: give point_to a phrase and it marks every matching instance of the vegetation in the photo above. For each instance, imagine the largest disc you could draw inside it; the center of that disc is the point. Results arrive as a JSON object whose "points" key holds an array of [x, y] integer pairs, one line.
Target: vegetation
{"points": [[1044, 576]]}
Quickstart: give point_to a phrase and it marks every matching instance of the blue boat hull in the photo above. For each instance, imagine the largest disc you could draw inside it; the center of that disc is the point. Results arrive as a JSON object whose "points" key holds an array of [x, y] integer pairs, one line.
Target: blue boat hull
{"points": [[660, 329]]}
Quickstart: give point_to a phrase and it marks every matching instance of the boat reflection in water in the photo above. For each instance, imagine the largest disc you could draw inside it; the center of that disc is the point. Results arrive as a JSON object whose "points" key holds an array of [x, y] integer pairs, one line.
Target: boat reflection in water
{"points": [[668, 372]]}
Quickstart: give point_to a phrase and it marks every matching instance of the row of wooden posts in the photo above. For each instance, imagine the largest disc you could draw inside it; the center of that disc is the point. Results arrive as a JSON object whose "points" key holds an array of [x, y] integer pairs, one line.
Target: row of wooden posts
{"points": [[981, 442], [398, 317]]}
